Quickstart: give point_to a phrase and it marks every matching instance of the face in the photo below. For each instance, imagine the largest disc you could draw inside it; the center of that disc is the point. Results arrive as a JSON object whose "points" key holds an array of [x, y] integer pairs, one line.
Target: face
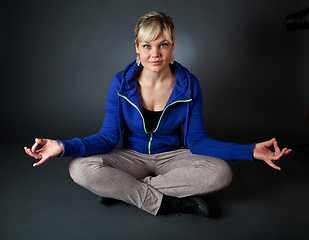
{"points": [[156, 55]]}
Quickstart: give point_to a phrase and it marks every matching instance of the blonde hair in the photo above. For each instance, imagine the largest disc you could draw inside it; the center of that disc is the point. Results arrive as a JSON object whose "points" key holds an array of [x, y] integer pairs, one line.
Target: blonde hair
{"points": [[151, 25]]}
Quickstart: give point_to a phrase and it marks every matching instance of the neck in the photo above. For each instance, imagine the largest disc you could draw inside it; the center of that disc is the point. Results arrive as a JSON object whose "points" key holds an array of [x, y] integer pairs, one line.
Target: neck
{"points": [[154, 78]]}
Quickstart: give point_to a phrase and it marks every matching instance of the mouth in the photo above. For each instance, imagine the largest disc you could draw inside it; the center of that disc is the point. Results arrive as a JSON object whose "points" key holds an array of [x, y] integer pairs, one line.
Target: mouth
{"points": [[155, 63]]}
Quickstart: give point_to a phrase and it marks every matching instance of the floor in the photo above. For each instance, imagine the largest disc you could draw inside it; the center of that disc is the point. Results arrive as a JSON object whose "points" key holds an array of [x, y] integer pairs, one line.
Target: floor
{"points": [[44, 203]]}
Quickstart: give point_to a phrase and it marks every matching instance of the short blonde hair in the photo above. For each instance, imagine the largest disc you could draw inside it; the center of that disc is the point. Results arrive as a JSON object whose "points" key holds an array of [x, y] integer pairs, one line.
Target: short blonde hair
{"points": [[149, 27]]}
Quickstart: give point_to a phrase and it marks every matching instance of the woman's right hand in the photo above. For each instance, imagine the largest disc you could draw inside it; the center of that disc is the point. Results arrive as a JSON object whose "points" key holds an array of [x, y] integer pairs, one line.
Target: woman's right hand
{"points": [[50, 149]]}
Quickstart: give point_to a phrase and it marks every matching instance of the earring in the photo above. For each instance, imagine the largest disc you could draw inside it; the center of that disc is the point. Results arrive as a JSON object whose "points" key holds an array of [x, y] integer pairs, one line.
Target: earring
{"points": [[173, 59], [138, 60]]}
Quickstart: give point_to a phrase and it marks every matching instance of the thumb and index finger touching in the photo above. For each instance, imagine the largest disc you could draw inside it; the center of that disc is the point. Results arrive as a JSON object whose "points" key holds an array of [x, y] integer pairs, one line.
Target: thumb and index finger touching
{"points": [[51, 148], [41, 141], [33, 152], [37, 142]]}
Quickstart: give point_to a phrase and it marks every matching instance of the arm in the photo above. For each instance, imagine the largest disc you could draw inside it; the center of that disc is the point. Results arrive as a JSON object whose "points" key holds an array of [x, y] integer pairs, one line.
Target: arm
{"points": [[200, 143], [107, 138], [102, 142]]}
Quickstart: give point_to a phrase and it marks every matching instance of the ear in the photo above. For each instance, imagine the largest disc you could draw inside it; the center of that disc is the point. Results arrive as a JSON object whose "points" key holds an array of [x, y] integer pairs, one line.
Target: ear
{"points": [[136, 47], [173, 44]]}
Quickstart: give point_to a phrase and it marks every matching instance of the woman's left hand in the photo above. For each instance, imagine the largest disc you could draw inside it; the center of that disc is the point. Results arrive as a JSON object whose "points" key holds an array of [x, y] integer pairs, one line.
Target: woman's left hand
{"points": [[262, 152]]}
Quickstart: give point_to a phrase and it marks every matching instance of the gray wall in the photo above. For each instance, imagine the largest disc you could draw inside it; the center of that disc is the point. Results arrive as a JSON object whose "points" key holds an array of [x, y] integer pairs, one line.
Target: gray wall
{"points": [[59, 57]]}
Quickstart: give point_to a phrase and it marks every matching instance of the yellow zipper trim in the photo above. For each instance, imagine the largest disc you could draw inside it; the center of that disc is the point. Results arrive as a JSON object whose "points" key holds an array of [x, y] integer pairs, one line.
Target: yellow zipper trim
{"points": [[136, 109], [150, 140], [183, 101]]}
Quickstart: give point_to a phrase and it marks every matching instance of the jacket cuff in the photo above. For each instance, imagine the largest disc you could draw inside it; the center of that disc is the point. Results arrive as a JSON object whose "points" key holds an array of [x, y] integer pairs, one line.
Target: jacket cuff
{"points": [[242, 152], [71, 147]]}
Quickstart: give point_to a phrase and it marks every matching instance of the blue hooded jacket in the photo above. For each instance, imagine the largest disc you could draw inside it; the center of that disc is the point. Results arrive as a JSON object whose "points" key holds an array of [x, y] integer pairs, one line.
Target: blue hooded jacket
{"points": [[181, 124]]}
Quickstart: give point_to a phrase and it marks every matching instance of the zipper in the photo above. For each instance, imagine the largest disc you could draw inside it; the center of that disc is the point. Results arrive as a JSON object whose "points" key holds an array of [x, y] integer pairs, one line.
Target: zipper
{"points": [[150, 138], [137, 110], [179, 101], [149, 143]]}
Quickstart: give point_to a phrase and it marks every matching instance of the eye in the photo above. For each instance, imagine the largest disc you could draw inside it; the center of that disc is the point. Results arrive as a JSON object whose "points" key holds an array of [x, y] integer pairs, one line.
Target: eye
{"points": [[146, 46], [163, 45]]}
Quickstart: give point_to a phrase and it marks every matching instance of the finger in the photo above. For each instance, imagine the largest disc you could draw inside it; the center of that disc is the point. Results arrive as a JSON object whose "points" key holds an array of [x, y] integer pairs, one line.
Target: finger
{"points": [[34, 147], [25, 148], [271, 164], [279, 155], [32, 154], [43, 160], [269, 142], [288, 151], [41, 141], [277, 149], [284, 152]]}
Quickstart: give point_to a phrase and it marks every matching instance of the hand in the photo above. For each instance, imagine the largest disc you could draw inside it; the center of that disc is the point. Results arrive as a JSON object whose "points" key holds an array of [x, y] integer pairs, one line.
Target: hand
{"points": [[262, 152], [50, 149]]}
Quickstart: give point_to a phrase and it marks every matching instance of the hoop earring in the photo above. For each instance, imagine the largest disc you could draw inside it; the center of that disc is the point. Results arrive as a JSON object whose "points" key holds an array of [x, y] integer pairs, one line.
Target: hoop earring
{"points": [[138, 60], [173, 59]]}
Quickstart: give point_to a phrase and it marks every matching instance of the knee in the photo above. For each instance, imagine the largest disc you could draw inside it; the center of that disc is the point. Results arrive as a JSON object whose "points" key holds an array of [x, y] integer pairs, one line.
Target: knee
{"points": [[217, 176], [77, 170], [225, 174]]}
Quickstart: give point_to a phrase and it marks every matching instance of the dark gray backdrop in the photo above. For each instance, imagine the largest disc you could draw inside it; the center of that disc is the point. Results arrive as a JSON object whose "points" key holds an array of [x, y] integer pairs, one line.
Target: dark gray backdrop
{"points": [[57, 60], [59, 56]]}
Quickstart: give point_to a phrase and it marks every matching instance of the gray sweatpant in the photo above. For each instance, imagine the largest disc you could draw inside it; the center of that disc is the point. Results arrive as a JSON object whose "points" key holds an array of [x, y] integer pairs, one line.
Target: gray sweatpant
{"points": [[142, 179]]}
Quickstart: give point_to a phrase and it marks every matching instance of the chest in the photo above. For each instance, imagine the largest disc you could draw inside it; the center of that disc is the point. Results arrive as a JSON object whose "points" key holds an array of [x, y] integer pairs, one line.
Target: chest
{"points": [[170, 120], [155, 98]]}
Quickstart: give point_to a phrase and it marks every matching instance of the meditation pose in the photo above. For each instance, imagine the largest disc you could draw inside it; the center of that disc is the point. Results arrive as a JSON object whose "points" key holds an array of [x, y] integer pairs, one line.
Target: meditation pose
{"points": [[165, 161]]}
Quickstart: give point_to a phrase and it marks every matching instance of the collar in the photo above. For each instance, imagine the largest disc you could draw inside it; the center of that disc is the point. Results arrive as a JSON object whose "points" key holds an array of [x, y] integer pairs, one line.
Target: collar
{"points": [[181, 90]]}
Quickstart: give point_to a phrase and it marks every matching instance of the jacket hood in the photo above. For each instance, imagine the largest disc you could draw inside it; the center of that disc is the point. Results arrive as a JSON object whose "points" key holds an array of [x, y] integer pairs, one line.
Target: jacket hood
{"points": [[181, 91]]}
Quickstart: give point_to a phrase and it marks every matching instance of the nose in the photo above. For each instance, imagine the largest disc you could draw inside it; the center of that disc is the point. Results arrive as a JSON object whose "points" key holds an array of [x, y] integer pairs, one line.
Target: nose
{"points": [[155, 52]]}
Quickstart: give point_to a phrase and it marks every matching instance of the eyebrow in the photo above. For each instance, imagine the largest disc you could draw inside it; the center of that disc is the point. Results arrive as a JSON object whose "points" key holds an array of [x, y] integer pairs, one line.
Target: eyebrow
{"points": [[164, 41]]}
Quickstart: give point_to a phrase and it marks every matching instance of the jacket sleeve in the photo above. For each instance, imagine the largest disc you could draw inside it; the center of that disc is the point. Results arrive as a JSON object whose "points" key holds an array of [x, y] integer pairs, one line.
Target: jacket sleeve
{"points": [[198, 141], [108, 136]]}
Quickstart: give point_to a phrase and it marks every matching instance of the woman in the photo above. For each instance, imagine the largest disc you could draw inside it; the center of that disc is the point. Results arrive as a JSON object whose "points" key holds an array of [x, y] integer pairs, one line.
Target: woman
{"points": [[166, 158]]}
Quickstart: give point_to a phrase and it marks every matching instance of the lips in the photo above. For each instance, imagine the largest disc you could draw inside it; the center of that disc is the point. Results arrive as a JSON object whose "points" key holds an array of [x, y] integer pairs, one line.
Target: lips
{"points": [[156, 62]]}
